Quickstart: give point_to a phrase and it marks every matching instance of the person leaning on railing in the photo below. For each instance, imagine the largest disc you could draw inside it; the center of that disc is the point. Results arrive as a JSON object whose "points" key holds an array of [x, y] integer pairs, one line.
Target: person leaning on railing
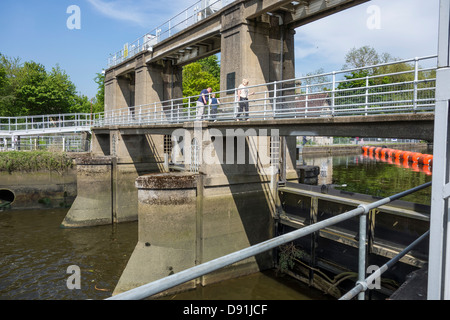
{"points": [[202, 102]]}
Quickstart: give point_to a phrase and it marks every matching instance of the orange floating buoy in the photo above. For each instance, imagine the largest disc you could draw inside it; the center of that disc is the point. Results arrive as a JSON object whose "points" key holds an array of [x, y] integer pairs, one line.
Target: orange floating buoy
{"points": [[378, 150], [391, 152], [406, 155], [384, 151], [425, 159], [415, 156], [365, 148]]}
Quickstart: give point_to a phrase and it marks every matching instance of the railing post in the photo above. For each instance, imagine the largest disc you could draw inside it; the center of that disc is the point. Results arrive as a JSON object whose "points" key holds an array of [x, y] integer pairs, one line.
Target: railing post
{"points": [[333, 93], [274, 108], [306, 100], [366, 107], [362, 252], [265, 104], [416, 80], [140, 115], [236, 103]]}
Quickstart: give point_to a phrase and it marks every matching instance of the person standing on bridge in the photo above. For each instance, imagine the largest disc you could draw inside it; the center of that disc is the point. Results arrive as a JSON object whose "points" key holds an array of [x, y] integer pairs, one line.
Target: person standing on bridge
{"points": [[242, 98], [214, 103], [202, 102]]}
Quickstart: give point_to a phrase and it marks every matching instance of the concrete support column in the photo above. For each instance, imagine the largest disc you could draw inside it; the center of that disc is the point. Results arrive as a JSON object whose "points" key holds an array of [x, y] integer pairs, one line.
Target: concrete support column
{"points": [[167, 230], [260, 50], [143, 84], [110, 91], [94, 203]]}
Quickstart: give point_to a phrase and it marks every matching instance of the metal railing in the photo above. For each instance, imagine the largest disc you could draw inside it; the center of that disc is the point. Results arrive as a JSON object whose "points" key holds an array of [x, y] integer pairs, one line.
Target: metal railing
{"points": [[362, 210], [195, 13], [56, 142], [45, 124], [411, 89], [333, 94], [363, 285]]}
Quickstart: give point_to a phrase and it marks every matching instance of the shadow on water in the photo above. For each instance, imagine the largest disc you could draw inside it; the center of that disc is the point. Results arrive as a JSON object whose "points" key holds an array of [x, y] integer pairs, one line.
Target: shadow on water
{"points": [[266, 285]]}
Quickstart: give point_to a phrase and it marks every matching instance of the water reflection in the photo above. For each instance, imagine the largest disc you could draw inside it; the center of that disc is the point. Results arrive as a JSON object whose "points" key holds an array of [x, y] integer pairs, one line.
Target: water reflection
{"points": [[369, 175]]}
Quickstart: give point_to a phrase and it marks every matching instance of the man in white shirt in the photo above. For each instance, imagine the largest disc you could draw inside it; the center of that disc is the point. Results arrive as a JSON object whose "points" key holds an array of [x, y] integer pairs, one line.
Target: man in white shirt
{"points": [[242, 98]]}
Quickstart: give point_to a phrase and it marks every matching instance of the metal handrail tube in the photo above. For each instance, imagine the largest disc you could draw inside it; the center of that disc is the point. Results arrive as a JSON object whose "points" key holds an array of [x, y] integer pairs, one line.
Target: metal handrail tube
{"points": [[363, 285], [171, 281]]}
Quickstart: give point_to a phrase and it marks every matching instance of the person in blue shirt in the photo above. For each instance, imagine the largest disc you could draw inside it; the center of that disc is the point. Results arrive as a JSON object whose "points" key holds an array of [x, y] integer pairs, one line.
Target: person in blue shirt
{"points": [[202, 102], [214, 103]]}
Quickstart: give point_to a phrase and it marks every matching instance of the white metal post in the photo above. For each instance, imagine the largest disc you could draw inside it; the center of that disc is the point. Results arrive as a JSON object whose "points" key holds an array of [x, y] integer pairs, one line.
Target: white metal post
{"points": [[333, 93], [439, 262], [416, 81]]}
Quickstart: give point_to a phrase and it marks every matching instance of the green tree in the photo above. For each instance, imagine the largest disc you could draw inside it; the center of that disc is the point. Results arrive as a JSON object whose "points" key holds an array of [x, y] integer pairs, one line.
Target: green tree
{"points": [[365, 56], [99, 100], [385, 85], [46, 93], [28, 89], [211, 65], [195, 79], [11, 77]]}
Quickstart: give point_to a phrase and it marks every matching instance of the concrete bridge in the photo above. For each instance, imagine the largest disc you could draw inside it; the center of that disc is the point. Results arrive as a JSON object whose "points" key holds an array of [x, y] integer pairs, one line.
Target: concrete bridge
{"points": [[255, 39]]}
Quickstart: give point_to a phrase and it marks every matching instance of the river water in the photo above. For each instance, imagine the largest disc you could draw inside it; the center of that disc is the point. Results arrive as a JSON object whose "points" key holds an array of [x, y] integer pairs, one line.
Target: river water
{"points": [[35, 252]]}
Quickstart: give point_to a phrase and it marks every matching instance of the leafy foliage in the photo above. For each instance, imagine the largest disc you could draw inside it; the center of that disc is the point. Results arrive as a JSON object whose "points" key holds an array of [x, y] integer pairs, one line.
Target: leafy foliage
{"points": [[201, 75], [99, 101], [288, 254], [389, 84], [28, 89], [13, 161]]}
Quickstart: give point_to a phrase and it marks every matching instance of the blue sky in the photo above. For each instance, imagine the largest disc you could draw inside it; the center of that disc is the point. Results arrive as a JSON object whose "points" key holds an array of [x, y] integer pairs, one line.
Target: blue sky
{"points": [[37, 30]]}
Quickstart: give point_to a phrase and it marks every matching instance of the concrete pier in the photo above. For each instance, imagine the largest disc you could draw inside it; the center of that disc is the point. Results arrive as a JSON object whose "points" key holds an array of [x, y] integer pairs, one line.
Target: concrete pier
{"points": [[182, 223], [189, 218]]}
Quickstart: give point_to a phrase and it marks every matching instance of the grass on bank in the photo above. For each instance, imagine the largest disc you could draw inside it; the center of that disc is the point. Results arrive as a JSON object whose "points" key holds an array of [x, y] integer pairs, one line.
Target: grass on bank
{"points": [[31, 161]]}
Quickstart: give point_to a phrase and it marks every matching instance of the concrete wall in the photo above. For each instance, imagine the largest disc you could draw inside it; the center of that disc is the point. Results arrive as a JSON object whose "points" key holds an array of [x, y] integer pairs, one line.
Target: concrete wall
{"points": [[40, 190]]}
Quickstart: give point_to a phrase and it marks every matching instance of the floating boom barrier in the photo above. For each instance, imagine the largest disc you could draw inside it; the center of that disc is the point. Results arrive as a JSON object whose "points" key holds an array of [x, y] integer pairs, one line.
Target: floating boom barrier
{"points": [[408, 159]]}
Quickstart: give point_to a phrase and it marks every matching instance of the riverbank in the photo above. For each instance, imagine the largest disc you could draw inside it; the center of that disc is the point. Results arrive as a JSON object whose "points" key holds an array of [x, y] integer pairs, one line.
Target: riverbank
{"points": [[38, 179]]}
